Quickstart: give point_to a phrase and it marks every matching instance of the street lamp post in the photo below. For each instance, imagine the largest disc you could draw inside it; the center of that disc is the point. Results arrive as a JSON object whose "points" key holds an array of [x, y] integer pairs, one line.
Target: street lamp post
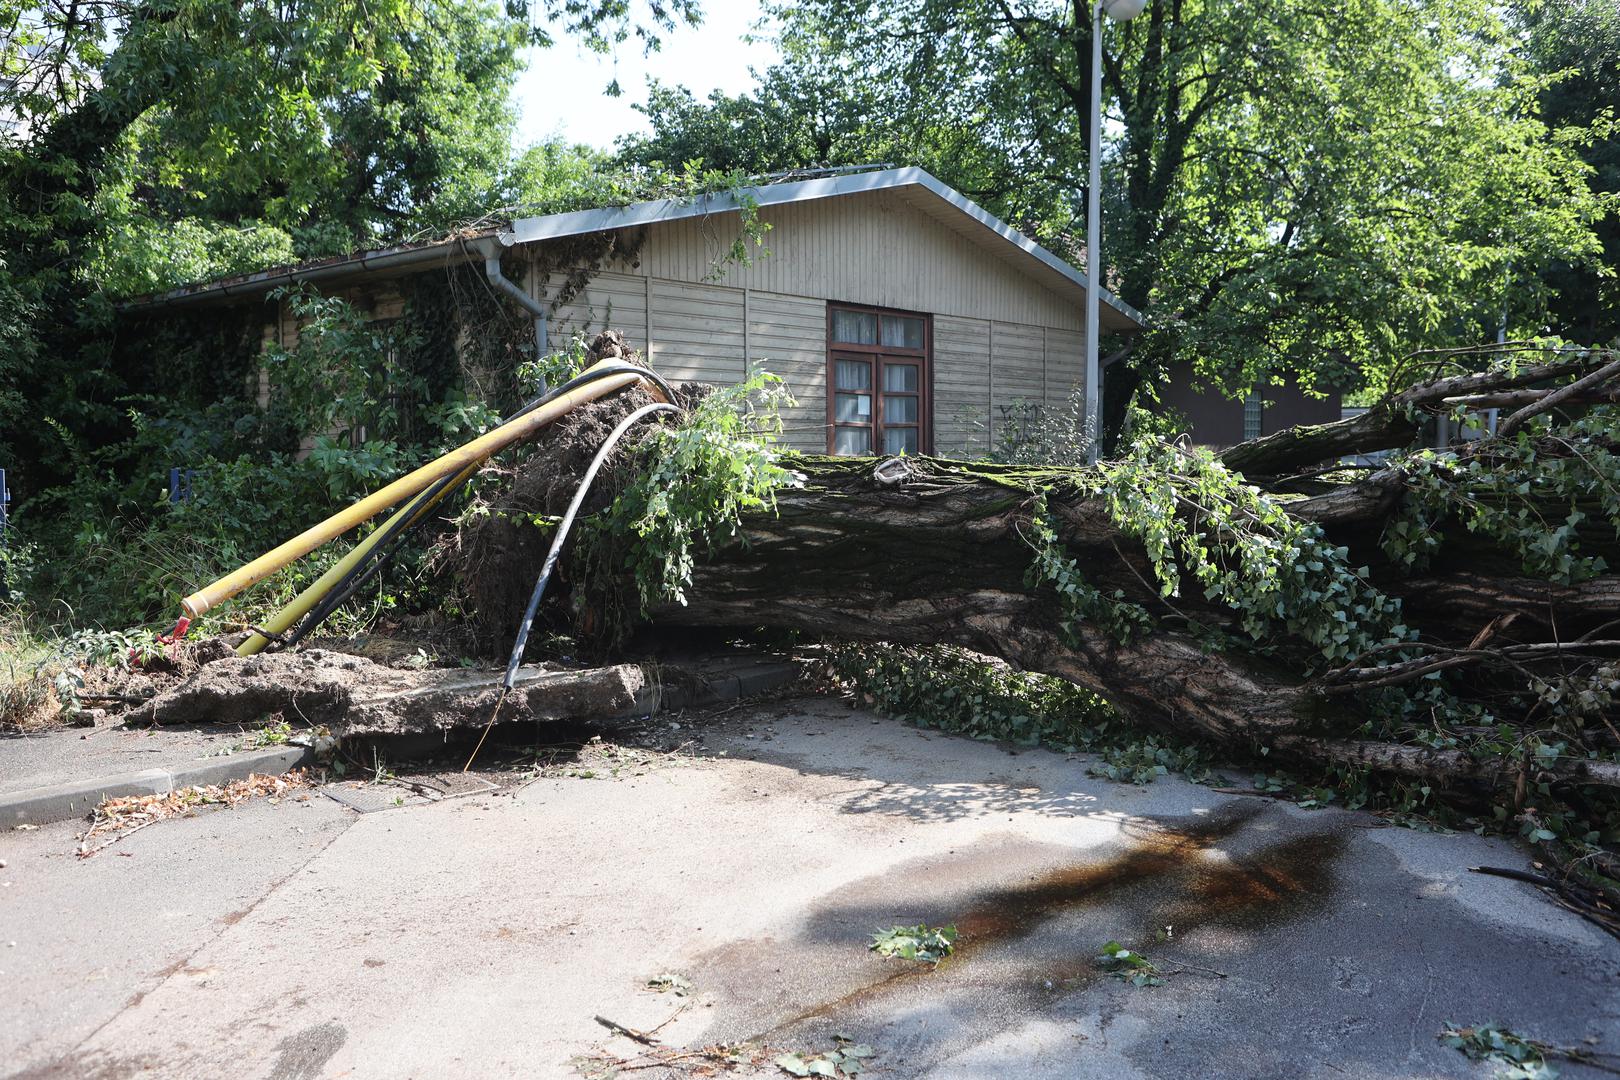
{"points": [[1119, 11]]}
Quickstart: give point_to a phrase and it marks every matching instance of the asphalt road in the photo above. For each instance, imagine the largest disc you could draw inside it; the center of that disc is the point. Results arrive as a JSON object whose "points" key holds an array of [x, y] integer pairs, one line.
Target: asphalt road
{"points": [[483, 936]]}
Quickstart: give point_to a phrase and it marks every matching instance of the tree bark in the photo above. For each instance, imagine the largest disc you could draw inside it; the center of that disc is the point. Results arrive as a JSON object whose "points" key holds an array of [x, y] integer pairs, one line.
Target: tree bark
{"points": [[918, 551], [1399, 419], [1446, 765], [940, 556]]}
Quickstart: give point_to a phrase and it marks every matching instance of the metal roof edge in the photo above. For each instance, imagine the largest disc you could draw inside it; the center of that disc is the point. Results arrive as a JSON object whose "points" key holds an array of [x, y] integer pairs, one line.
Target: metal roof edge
{"points": [[364, 262], [1012, 235]]}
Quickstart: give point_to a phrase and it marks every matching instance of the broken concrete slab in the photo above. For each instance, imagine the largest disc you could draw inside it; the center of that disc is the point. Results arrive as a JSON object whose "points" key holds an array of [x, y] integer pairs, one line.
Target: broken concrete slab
{"points": [[350, 696], [356, 697], [458, 699]]}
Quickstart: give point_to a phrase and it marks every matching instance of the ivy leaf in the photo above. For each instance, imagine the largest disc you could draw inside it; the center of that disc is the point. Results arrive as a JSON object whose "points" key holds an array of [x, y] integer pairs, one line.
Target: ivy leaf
{"points": [[793, 1065]]}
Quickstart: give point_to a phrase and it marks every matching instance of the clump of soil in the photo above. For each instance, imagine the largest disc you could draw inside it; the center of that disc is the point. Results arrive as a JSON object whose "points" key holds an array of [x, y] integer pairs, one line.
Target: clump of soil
{"points": [[146, 677], [308, 685], [498, 553], [73, 691]]}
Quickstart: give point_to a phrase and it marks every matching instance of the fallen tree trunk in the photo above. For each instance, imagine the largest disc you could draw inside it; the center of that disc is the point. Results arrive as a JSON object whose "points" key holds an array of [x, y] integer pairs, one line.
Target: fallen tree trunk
{"points": [[924, 551], [1471, 587], [939, 553]]}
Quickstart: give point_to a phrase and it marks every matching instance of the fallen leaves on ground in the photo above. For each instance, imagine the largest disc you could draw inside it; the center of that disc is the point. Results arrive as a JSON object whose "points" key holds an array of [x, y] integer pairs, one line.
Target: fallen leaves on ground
{"points": [[117, 818], [670, 983], [921, 942], [1123, 963], [847, 1060]]}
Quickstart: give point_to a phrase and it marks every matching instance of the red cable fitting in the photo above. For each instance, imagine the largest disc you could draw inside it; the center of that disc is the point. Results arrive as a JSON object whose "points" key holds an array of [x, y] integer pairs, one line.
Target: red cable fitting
{"points": [[171, 639]]}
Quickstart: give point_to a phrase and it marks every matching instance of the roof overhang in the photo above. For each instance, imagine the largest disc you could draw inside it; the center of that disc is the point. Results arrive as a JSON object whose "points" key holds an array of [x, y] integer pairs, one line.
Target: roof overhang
{"points": [[919, 187], [922, 190], [382, 260]]}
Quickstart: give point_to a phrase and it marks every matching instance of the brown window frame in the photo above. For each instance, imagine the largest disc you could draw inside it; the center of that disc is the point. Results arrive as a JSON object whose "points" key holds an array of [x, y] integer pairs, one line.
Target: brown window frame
{"points": [[875, 356]]}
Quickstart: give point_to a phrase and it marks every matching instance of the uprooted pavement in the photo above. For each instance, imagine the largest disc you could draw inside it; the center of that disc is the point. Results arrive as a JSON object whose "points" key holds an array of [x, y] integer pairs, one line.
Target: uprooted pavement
{"points": [[348, 695]]}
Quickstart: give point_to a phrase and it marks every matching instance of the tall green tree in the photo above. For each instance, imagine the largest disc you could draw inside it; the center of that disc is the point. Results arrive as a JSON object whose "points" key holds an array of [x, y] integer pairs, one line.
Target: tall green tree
{"points": [[1291, 188], [1576, 43], [813, 108], [246, 128]]}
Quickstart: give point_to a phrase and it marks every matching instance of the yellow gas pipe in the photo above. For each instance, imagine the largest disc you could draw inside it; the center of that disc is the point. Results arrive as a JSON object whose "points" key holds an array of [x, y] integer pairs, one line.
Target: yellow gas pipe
{"points": [[456, 461], [299, 606]]}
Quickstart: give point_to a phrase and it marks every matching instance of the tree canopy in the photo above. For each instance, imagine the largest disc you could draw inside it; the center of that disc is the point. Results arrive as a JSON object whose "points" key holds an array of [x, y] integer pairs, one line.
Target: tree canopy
{"points": [[1577, 46]]}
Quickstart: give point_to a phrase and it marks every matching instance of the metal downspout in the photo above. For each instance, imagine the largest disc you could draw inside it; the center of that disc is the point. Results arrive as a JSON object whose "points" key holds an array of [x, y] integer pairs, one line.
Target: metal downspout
{"points": [[492, 270]]}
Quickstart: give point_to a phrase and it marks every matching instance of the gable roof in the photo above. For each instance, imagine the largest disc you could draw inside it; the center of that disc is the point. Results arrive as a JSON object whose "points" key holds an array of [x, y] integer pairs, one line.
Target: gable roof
{"points": [[923, 191]]}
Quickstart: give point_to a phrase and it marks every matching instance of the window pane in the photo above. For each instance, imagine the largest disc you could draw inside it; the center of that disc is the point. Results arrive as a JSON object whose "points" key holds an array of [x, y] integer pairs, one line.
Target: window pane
{"points": [[899, 410], [852, 408], [901, 332], [856, 327], [900, 439], [852, 441], [854, 375], [901, 377]]}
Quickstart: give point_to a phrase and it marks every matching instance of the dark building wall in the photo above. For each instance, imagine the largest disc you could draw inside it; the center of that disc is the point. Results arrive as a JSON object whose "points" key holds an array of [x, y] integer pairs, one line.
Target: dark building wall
{"points": [[1288, 406], [1215, 420], [1211, 420]]}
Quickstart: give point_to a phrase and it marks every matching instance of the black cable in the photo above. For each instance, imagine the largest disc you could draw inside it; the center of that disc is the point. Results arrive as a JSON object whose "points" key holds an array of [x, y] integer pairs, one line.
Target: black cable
{"points": [[379, 557], [563, 528]]}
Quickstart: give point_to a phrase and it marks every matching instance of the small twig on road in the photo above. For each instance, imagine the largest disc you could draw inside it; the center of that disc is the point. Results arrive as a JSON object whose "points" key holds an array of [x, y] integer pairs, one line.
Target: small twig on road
{"points": [[1567, 895], [85, 853], [1283, 795], [667, 1022], [642, 1037]]}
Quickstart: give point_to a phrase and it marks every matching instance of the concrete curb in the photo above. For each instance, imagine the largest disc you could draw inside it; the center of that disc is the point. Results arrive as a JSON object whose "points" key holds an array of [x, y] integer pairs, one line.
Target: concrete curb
{"points": [[59, 802]]}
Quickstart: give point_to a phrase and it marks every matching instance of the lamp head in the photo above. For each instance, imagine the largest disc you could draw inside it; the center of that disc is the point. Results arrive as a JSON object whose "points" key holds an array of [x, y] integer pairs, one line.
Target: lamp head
{"points": [[1123, 10]]}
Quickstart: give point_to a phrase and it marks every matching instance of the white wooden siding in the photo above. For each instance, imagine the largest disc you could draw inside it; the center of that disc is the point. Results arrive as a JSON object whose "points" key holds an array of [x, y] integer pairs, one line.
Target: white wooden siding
{"points": [[1020, 369], [867, 249], [961, 386], [787, 336], [1065, 366], [697, 332], [615, 301]]}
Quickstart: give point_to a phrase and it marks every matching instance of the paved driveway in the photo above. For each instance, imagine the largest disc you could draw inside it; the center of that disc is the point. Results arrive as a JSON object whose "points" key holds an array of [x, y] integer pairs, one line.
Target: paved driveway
{"points": [[483, 936]]}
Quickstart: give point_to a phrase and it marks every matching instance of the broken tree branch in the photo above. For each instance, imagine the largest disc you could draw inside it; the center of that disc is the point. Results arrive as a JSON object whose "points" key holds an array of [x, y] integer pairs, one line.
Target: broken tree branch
{"points": [[1398, 419]]}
